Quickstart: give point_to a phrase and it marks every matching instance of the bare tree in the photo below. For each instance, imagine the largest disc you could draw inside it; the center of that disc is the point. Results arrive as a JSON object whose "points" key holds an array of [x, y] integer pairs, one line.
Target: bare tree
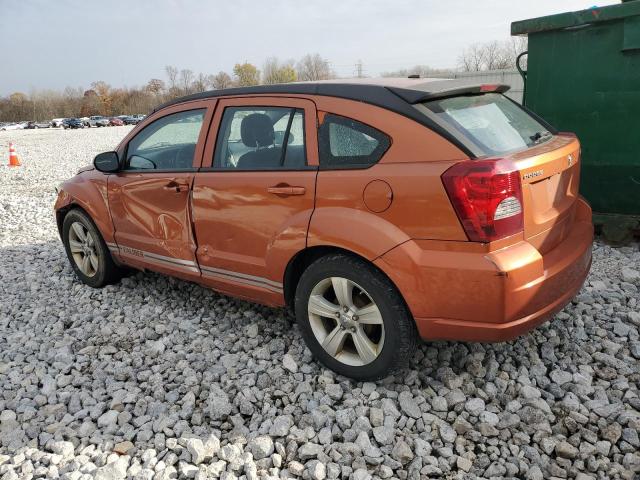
{"points": [[186, 80], [201, 83], [172, 80], [516, 46], [472, 59], [497, 55], [494, 55], [313, 67], [221, 80], [72, 101], [155, 86], [172, 75]]}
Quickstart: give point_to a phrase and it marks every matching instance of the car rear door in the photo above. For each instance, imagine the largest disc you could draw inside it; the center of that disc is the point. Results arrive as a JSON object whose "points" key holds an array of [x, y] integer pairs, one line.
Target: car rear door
{"points": [[149, 198], [254, 196]]}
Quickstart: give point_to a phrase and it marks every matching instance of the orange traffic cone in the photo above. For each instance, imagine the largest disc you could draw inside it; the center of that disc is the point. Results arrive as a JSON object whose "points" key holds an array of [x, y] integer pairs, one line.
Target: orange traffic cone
{"points": [[14, 161]]}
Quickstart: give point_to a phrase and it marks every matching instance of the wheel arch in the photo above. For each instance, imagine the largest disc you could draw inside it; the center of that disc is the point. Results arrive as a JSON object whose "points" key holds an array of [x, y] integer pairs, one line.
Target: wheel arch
{"points": [[300, 261], [63, 211]]}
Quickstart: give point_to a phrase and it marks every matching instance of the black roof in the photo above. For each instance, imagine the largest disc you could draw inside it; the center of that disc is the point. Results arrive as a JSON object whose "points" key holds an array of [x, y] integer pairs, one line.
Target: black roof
{"points": [[375, 91], [395, 94]]}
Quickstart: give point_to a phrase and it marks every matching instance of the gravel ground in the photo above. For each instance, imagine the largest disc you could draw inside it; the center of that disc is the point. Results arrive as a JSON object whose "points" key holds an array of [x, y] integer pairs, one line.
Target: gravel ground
{"points": [[159, 378]]}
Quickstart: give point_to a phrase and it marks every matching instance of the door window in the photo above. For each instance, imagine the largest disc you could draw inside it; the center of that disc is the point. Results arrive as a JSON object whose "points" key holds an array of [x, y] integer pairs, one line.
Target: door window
{"points": [[169, 143], [261, 138], [347, 143]]}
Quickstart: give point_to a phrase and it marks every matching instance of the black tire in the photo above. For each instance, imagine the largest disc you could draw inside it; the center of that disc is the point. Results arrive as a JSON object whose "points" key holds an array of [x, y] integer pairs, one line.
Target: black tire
{"points": [[107, 272], [400, 333]]}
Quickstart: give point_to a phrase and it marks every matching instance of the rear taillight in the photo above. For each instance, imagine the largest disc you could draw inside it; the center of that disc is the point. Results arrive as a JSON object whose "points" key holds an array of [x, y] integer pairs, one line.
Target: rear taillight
{"points": [[487, 196]]}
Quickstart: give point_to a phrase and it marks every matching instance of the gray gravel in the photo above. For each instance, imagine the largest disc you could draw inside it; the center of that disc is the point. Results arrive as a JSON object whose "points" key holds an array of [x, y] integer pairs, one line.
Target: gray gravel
{"points": [[158, 378]]}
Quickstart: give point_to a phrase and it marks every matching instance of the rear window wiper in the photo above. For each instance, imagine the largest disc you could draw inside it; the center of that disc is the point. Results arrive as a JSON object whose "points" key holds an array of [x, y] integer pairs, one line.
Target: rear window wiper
{"points": [[536, 137]]}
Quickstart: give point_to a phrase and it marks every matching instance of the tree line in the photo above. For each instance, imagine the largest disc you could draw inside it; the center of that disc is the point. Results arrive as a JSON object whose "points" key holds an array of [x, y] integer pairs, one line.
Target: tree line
{"points": [[478, 57], [103, 99], [494, 55]]}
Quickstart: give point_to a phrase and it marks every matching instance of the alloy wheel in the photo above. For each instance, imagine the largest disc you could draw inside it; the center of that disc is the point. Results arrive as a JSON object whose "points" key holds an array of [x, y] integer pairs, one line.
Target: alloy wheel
{"points": [[83, 249], [346, 321]]}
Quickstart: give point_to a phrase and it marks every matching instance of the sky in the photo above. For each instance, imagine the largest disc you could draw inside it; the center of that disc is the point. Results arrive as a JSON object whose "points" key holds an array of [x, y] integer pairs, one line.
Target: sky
{"points": [[53, 44]]}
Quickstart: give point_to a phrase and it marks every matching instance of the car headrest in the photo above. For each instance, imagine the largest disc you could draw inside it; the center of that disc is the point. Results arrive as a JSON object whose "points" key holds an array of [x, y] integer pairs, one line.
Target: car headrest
{"points": [[256, 130]]}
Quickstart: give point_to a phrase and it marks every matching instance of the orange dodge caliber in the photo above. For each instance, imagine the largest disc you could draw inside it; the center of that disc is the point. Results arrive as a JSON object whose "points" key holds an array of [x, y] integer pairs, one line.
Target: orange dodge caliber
{"points": [[381, 212]]}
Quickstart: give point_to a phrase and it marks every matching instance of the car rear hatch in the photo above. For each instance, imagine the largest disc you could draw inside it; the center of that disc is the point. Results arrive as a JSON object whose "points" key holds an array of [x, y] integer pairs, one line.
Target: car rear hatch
{"points": [[550, 175], [493, 127]]}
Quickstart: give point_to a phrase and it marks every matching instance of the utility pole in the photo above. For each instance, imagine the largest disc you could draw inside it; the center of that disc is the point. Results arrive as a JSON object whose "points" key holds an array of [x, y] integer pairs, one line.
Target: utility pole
{"points": [[359, 69]]}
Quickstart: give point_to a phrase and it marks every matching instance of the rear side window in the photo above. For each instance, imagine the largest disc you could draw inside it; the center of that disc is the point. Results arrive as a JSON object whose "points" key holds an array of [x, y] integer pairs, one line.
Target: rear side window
{"points": [[347, 143], [261, 138], [491, 121]]}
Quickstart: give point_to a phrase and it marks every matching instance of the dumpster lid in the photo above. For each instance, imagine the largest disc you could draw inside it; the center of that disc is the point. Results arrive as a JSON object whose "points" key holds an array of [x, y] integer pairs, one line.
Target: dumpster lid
{"points": [[576, 19]]}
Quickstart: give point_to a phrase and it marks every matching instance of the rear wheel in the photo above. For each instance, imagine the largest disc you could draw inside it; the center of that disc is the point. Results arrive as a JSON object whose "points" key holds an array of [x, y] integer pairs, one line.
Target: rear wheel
{"points": [[88, 254], [353, 319]]}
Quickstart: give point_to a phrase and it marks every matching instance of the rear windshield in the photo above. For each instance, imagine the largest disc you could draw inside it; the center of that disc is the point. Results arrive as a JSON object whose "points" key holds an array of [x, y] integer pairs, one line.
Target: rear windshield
{"points": [[491, 121]]}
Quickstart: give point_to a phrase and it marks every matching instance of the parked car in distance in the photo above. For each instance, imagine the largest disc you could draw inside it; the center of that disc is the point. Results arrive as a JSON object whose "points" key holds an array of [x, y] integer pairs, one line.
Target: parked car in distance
{"points": [[130, 120], [34, 125], [11, 126], [115, 122], [97, 121], [380, 212], [73, 123], [57, 122]]}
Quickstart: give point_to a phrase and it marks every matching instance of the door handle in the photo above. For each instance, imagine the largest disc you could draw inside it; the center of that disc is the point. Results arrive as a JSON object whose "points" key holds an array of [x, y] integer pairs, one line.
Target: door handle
{"points": [[176, 186], [286, 190]]}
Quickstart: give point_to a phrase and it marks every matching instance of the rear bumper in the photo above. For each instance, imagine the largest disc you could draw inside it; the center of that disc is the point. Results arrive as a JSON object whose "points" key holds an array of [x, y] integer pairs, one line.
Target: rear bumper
{"points": [[455, 294]]}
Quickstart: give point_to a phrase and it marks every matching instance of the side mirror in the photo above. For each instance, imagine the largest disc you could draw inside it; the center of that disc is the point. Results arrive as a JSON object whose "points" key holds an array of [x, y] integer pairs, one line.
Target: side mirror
{"points": [[107, 162]]}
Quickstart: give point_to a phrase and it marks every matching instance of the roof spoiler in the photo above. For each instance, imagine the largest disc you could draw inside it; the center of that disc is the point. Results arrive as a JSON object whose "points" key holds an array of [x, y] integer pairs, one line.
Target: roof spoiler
{"points": [[418, 96]]}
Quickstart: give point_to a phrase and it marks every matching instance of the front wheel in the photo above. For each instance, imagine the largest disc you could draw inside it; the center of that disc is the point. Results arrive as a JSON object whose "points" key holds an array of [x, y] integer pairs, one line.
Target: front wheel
{"points": [[353, 319], [88, 254]]}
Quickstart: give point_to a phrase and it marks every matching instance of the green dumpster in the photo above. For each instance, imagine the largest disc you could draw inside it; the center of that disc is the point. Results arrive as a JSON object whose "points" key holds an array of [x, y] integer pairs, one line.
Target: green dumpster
{"points": [[583, 75]]}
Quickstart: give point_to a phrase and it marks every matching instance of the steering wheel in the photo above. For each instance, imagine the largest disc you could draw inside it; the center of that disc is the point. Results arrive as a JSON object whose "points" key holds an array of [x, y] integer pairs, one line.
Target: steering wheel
{"points": [[184, 156]]}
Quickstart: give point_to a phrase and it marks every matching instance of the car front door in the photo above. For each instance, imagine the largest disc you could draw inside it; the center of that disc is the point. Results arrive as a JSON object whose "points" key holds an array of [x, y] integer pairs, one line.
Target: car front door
{"points": [[149, 197], [254, 196]]}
